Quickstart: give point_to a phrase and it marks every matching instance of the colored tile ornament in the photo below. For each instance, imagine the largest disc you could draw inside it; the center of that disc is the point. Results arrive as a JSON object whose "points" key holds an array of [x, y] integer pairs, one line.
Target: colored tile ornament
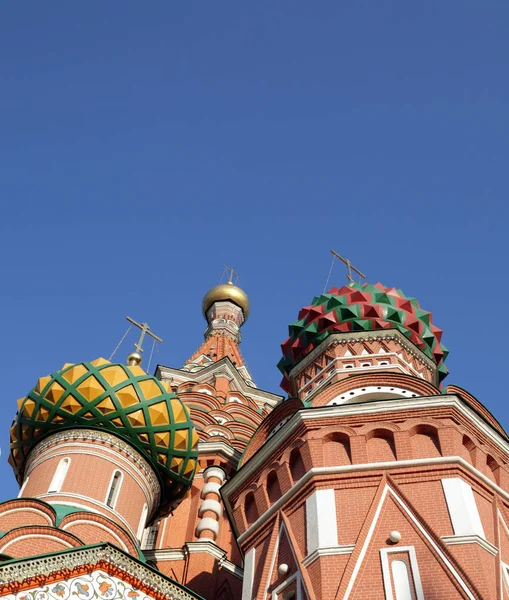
{"points": [[125, 401], [361, 307]]}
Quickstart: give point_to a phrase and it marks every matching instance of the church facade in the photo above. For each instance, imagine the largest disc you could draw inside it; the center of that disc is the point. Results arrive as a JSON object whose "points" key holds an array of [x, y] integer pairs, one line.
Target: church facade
{"points": [[370, 478]]}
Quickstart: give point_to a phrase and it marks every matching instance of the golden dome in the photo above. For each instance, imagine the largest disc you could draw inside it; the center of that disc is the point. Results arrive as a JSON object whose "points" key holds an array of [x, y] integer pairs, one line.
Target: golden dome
{"points": [[225, 292]]}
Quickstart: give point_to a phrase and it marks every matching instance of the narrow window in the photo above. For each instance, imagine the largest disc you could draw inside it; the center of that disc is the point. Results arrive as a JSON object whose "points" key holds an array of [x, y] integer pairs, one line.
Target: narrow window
{"points": [[22, 490], [111, 499], [59, 476], [402, 583], [143, 520]]}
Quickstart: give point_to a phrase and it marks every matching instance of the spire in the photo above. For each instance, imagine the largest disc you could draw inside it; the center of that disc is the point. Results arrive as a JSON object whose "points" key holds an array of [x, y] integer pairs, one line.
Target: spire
{"points": [[226, 308]]}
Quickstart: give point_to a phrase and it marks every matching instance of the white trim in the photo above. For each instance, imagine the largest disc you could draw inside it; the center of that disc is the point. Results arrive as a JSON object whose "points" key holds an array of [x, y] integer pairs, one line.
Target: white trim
{"points": [[384, 552], [214, 472], [30, 508], [50, 499], [249, 569], [22, 488], [32, 536], [418, 526], [142, 523], [451, 540], [462, 507], [95, 524], [321, 520], [343, 549], [281, 588], [57, 481], [316, 471], [272, 444]]}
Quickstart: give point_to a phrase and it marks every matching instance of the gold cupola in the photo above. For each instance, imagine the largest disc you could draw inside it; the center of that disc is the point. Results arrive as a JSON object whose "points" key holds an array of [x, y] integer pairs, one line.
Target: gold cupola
{"points": [[226, 292]]}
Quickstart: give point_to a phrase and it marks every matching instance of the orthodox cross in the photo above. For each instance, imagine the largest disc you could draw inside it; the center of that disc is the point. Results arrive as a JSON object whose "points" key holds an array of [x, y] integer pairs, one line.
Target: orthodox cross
{"points": [[145, 330], [349, 267], [232, 273]]}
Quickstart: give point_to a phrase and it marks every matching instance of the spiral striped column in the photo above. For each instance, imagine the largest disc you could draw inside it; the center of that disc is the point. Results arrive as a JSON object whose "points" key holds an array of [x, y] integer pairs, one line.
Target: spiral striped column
{"points": [[211, 509]]}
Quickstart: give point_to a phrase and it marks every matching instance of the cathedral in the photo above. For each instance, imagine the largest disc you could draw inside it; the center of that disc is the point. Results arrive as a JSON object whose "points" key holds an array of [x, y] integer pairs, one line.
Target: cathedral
{"points": [[369, 478]]}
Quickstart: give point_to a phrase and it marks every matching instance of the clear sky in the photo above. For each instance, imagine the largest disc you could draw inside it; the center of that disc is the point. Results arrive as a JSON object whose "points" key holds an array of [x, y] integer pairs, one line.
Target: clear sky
{"points": [[144, 144]]}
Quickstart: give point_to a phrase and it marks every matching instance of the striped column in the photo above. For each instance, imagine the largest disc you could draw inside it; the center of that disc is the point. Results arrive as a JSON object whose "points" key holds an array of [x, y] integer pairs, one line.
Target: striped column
{"points": [[211, 510]]}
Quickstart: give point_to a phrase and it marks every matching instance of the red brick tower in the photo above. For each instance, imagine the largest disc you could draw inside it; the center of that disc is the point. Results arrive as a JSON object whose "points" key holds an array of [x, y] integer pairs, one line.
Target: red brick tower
{"points": [[372, 481], [196, 544]]}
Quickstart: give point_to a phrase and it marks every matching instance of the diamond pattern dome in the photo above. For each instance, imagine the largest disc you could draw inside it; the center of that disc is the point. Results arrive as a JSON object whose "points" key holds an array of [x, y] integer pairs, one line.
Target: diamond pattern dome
{"points": [[123, 400], [361, 307]]}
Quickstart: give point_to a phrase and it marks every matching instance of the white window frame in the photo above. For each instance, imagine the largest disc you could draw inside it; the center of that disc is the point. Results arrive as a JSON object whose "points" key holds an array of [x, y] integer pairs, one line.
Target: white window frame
{"points": [[116, 490], [59, 476], [387, 571], [143, 520], [22, 488], [276, 594]]}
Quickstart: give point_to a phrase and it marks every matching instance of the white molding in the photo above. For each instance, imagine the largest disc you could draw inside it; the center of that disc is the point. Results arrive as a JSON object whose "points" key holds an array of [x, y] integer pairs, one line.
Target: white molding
{"points": [[95, 524], [214, 472], [462, 507], [249, 569], [207, 524], [321, 520], [50, 499], [370, 408], [32, 536], [416, 576], [382, 466], [332, 551], [29, 508], [418, 526], [451, 540]]}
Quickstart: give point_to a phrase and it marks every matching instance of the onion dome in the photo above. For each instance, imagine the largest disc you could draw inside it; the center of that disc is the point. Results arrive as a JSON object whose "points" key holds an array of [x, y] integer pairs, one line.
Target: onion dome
{"points": [[226, 292], [361, 307], [121, 399]]}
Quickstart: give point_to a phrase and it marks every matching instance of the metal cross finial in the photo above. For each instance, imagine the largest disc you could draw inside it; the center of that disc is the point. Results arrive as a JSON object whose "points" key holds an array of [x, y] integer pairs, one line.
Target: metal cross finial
{"points": [[145, 330], [232, 273], [349, 267]]}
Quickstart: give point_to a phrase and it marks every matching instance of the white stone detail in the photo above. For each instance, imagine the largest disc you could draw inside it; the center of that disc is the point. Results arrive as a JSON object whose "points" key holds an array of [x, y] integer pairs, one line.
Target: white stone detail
{"points": [[249, 567], [212, 505], [462, 507], [321, 521], [207, 524], [214, 472], [210, 488]]}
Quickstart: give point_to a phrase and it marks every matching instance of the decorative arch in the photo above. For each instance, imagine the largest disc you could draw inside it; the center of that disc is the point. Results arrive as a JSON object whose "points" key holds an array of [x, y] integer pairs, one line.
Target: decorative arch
{"points": [[296, 464], [250, 510], [273, 487], [425, 441], [380, 445], [336, 449]]}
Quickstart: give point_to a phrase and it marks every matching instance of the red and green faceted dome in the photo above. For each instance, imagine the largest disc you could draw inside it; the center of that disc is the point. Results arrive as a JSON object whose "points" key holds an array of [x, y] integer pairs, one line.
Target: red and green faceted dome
{"points": [[122, 400], [361, 307]]}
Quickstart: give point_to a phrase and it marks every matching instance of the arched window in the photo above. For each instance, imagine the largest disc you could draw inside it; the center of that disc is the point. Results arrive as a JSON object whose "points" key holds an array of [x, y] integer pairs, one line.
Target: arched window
{"points": [[273, 489], [250, 509], [380, 446], [402, 583], [337, 450], [143, 520], [116, 482], [297, 468], [59, 476]]}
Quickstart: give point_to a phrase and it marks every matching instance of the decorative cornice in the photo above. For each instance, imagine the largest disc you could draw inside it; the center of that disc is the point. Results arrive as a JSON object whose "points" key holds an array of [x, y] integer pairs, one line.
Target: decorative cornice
{"points": [[34, 572], [452, 540], [344, 549], [203, 546], [363, 336]]}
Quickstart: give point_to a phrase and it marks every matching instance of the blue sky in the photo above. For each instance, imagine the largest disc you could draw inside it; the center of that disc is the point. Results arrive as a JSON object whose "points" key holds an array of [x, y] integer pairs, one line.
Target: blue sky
{"points": [[143, 145]]}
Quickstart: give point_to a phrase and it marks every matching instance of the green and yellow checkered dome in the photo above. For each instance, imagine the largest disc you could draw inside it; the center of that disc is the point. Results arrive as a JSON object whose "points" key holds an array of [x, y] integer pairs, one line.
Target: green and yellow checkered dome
{"points": [[120, 399]]}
